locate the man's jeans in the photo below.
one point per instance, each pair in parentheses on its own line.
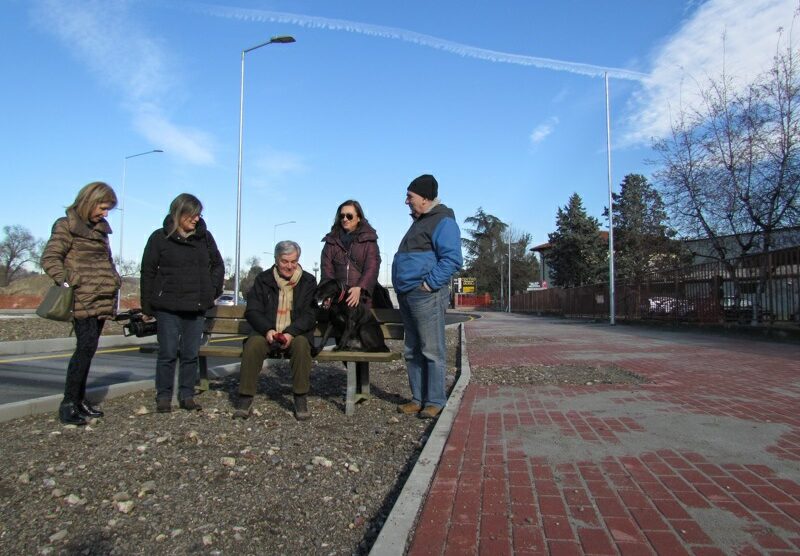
(425,351)
(177,331)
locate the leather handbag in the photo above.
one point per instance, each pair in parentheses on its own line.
(57,303)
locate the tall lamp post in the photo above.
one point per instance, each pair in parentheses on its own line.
(281,40)
(122,210)
(275,230)
(611,304)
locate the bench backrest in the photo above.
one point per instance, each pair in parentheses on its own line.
(229,319)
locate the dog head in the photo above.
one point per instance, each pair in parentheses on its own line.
(329,293)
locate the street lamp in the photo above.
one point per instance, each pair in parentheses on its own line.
(275,230)
(122,210)
(611,289)
(280,40)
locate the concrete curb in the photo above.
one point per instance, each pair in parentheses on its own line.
(396,532)
(49,404)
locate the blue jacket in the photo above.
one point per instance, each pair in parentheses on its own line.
(430,252)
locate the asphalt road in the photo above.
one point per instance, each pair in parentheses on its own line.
(24,377)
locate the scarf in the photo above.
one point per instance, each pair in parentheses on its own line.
(285,297)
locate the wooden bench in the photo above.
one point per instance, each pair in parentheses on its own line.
(228,322)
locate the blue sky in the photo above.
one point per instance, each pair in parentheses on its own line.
(502,101)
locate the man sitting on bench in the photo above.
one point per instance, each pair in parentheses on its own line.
(282,313)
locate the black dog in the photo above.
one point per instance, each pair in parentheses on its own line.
(354,328)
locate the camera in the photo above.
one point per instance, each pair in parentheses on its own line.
(136,325)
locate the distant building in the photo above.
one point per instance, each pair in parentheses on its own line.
(542,250)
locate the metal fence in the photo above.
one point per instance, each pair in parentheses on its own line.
(755,288)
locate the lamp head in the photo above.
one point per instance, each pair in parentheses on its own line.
(282,39)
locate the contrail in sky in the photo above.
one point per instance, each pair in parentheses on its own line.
(247,14)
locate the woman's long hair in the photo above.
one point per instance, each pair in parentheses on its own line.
(349,203)
(91,195)
(184,204)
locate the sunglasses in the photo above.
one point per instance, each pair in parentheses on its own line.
(347,215)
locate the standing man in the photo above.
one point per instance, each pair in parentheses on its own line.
(282,312)
(429,254)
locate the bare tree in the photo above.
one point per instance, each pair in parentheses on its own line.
(127,267)
(18,248)
(730,170)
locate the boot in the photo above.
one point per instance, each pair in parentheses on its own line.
(301,407)
(243,408)
(88,410)
(69,414)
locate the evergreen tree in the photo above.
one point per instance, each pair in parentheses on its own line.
(487,255)
(643,241)
(578,255)
(484,250)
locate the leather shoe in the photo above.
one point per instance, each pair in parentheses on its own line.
(409,408)
(301,407)
(164,405)
(243,408)
(88,410)
(190,405)
(430,412)
(69,414)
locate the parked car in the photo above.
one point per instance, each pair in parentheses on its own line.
(225,299)
(664,305)
(741,310)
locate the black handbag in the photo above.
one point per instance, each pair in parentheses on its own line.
(57,303)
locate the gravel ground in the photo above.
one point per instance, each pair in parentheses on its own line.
(555,375)
(137,482)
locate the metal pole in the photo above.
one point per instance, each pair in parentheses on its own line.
(281,39)
(239,191)
(122,211)
(509,270)
(611,306)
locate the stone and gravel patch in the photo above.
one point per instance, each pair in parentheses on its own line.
(138,482)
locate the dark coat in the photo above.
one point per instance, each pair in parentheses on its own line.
(80,255)
(181,273)
(357,266)
(262,305)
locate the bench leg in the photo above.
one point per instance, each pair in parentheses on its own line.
(362,376)
(350,400)
(202,376)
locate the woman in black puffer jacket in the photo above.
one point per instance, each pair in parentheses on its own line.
(182,273)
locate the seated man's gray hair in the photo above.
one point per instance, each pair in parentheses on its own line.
(285,247)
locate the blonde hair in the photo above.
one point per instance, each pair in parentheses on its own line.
(184,204)
(91,195)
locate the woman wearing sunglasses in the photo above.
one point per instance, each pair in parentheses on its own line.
(351,253)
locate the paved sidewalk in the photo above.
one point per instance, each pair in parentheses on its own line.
(703,459)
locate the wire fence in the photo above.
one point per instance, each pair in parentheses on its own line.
(755,288)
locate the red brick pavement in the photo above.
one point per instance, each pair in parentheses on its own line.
(620,469)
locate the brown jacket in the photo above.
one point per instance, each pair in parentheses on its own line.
(81,256)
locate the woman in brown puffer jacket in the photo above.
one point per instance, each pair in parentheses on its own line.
(78,253)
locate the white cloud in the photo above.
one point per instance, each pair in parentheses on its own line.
(543,130)
(190,144)
(738,36)
(270,170)
(106,38)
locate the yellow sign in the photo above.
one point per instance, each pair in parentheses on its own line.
(468,285)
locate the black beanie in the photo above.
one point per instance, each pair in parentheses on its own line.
(425,186)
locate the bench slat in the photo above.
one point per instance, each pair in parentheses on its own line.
(391,331)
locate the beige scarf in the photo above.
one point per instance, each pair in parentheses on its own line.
(286,297)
